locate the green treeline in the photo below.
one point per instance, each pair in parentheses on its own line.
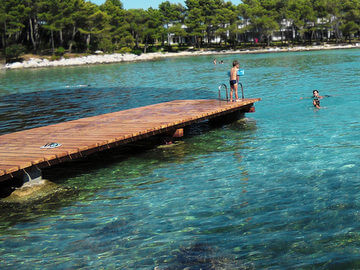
(80,26)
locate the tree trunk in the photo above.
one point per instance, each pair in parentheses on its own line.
(337,32)
(32,34)
(61,37)
(312,36)
(168,34)
(88,39)
(3,40)
(52,42)
(4,37)
(72,39)
(322,35)
(137,40)
(146,44)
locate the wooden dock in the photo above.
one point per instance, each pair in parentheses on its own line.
(21,151)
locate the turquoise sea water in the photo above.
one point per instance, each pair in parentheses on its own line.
(278,190)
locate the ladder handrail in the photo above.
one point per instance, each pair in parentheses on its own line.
(226,89)
(242,90)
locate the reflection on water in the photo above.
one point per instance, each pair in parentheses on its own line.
(277,190)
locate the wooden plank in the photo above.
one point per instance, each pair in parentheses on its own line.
(7,168)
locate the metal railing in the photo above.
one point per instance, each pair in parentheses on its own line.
(223,85)
(242,91)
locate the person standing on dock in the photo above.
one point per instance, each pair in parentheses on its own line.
(234,79)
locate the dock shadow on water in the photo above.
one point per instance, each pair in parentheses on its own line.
(119,168)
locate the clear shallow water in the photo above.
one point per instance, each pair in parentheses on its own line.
(279,190)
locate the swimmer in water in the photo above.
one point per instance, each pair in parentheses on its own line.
(316,99)
(316,94)
(316,103)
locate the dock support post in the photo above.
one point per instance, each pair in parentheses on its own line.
(179,133)
(169,136)
(226,119)
(31,174)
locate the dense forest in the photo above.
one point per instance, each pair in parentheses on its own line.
(56,26)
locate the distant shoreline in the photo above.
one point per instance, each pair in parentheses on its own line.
(118,58)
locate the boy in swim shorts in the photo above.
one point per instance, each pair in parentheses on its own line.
(234,80)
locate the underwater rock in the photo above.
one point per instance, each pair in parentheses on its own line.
(203,256)
(33,191)
(170,145)
(244,124)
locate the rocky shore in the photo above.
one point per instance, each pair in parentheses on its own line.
(117,58)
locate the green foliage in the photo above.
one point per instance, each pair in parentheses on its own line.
(125,50)
(13,52)
(171,12)
(174,48)
(153,26)
(137,52)
(153,49)
(55,57)
(106,45)
(349,29)
(127,41)
(60,51)
(178,30)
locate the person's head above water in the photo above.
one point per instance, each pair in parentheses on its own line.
(235,63)
(315,93)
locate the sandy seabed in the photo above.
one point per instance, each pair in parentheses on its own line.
(117,57)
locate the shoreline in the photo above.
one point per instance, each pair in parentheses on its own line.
(118,58)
